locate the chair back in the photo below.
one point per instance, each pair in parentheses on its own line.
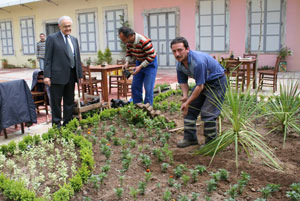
(250,55)
(231,65)
(276,69)
(120,61)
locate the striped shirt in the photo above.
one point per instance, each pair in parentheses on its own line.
(41,48)
(142,49)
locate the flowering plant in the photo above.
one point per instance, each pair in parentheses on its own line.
(285,51)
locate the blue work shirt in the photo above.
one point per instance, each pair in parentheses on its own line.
(201,66)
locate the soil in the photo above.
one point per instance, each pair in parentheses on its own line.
(260,174)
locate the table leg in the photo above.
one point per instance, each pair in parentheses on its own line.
(104,86)
(248,75)
(254,77)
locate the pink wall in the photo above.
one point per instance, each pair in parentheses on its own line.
(293,34)
(187,16)
(237,26)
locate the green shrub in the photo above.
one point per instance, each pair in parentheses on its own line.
(76,182)
(22,146)
(64,193)
(12,147)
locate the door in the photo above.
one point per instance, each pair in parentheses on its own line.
(162,30)
(51,28)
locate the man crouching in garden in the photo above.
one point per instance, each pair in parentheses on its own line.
(206,97)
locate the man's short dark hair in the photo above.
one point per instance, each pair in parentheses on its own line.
(126,31)
(180,40)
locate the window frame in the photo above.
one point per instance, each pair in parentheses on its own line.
(117,41)
(5,40)
(282,25)
(27,36)
(212,26)
(86,13)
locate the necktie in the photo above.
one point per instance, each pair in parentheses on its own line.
(70,53)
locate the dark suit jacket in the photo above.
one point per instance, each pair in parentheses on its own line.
(57,61)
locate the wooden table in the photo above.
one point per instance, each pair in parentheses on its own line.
(247,62)
(104,73)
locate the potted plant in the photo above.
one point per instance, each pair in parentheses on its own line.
(284,53)
(101,58)
(107,56)
(4,63)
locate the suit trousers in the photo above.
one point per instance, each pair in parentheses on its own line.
(63,92)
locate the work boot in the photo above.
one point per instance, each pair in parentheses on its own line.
(185,143)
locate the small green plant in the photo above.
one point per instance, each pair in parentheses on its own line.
(179,170)
(101,58)
(294,194)
(195,196)
(270,188)
(148,175)
(107,56)
(164,167)
(167,195)
(133,192)
(200,169)
(233,191)
(211,185)
(185,179)
(183,197)
(194,175)
(119,192)
(142,187)
(171,181)
(224,174)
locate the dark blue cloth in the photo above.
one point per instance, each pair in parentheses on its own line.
(16,104)
(202,67)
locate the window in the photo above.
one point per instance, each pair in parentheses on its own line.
(212,26)
(87,32)
(6,38)
(113,23)
(271,25)
(27,36)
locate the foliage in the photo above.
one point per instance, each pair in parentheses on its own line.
(294,194)
(100,57)
(285,51)
(14,190)
(284,109)
(64,193)
(240,109)
(270,188)
(107,56)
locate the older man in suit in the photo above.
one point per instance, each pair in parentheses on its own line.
(62,70)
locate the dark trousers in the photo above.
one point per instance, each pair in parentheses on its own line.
(209,103)
(65,92)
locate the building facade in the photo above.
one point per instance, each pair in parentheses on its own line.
(218,27)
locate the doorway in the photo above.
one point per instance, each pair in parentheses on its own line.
(51,28)
(162,30)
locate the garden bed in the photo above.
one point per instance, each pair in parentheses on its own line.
(136,158)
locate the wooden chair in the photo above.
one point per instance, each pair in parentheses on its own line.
(249,55)
(90,85)
(233,70)
(39,94)
(269,75)
(124,86)
(115,76)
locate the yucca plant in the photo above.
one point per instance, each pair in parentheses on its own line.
(284,109)
(241,109)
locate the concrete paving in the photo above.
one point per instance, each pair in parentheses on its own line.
(164,75)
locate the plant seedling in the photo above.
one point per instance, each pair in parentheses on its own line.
(167,195)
